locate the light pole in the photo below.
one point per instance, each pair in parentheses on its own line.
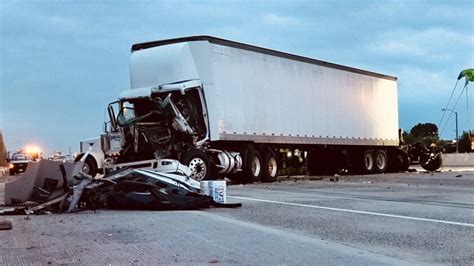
(457,135)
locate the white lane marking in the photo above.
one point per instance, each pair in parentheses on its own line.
(355,211)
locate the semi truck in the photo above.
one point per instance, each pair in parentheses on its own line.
(225,108)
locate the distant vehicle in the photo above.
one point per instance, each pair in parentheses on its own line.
(58,156)
(18,162)
(228,108)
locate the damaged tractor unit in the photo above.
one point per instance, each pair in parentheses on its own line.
(225,108)
(163,122)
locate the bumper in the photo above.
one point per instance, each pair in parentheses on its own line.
(18,168)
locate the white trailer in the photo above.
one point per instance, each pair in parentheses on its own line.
(224,107)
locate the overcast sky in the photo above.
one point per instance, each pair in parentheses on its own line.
(61,62)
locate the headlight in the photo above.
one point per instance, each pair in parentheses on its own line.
(11,166)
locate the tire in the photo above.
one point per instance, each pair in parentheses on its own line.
(90,167)
(380,161)
(431,162)
(269,166)
(199,164)
(252,168)
(367,162)
(399,161)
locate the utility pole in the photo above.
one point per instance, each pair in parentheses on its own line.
(457,135)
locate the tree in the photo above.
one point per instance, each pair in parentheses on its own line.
(465,142)
(424,130)
(408,138)
(425,133)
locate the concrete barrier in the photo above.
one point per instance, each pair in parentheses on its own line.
(458,159)
(23,188)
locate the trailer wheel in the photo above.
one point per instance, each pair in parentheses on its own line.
(252,169)
(198,162)
(270,166)
(381,161)
(90,166)
(399,161)
(368,162)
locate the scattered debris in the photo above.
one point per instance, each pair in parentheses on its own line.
(6,224)
(335,178)
(125,189)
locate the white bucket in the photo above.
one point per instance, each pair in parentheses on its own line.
(216,189)
(205,188)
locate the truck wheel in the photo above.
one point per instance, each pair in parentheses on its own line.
(381,161)
(368,162)
(89,167)
(198,162)
(270,166)
(252,169)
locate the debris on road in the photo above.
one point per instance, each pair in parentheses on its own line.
(170,187)
(6,224)
(335,178)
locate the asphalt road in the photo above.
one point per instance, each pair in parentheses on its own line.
(410,218)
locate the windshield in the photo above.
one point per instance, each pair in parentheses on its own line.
(19,156)
(142,110)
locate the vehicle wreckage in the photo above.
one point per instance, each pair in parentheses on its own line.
(50,186)
(229,109)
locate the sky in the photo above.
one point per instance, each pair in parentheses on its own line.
(62,62)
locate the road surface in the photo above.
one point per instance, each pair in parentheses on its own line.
(408,218)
